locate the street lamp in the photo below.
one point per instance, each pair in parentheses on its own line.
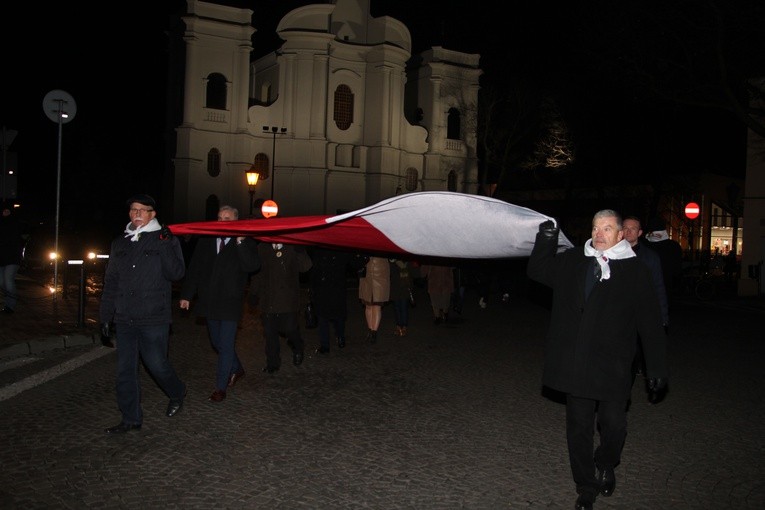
(274,130)
(252,179)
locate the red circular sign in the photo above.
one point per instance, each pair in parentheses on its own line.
(269,209)
(692,210)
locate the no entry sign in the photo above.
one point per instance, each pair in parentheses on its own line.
(692,210)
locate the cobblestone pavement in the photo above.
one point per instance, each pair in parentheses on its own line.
(451,416)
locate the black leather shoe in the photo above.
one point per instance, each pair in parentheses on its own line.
(297,358)
(174,406)
(123,427)
(322,350)
(607,481)
(584,502)
(269,369)
(340,342)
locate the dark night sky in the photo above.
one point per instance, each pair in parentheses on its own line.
(115,143)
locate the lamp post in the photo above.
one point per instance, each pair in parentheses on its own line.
(274,131)
(252,179)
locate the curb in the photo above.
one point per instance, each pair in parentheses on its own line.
(47,344)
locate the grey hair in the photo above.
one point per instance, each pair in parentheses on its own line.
(233,210)
(608,213)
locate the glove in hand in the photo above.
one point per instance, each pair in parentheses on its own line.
(657,388)
(165,234)
(548,229)
(546,225)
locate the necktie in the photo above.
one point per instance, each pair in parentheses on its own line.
(221,244)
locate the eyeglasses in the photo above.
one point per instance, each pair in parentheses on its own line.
(134,210)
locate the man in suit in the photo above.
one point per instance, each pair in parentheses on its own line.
(603,297)
(218,274)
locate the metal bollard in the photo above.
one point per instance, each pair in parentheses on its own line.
(80,293)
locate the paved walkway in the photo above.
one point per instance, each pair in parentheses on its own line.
(451,416)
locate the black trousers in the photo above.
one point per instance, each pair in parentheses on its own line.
(273,325)
(581,415)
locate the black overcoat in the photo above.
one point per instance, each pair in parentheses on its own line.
(219,280)
(329,281)
(277,284)
(591,342)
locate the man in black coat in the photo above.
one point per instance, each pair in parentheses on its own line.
(276,288)
(218,274)
(602,299)
(633,229)
(329,291)
(137,297)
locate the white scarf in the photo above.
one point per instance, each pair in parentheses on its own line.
(657,235)
(621,250)
(135,233)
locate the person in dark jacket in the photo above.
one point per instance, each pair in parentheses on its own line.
(276,288)
(218,274)
(603,297)
(632,231)
(401,293)
(11,248)
(670,253)
(328,281)
(137,298)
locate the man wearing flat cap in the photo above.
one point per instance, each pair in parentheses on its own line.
(143,264)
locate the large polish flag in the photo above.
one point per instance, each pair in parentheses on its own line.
(429,224)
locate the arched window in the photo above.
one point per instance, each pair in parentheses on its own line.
(213,162)
(216,92)
(451,181)
(343,113)
(453,125)
(412,178)
(261,165)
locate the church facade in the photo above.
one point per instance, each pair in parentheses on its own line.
(339,117)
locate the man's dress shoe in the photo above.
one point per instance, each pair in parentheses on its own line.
(297,358)
(584,502)
(235,378)
(607,480)
(123,428)
(269,369)
(174,406)
(322,350)
(217,396)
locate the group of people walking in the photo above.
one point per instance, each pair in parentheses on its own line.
(608,300)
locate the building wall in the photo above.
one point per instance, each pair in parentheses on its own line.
(754,207)
(319,168)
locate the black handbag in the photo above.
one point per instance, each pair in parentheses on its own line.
(311,319)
